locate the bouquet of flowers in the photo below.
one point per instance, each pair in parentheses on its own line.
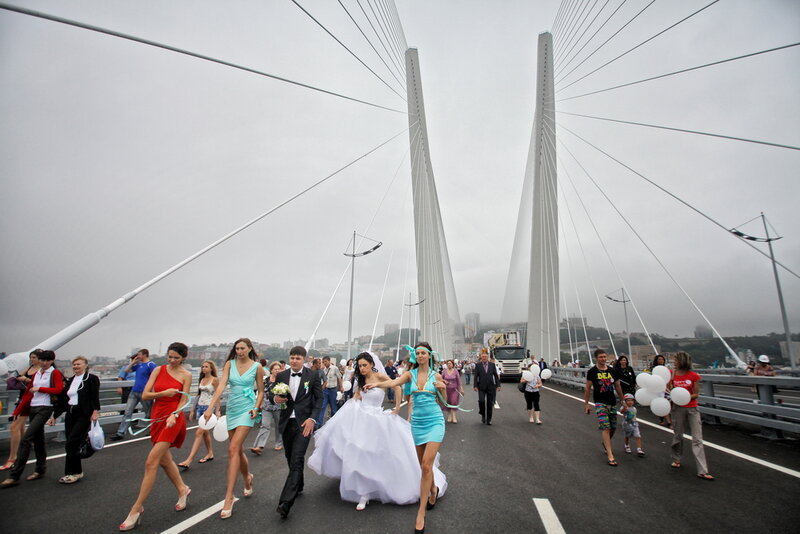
(282,390)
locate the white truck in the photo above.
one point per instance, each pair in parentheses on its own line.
(511,357)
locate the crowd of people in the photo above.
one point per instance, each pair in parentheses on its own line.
(291,401)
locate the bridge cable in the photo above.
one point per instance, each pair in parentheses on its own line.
(552,150)
(661,264)
(577,295)
(388,68)
(577,29)
(567,30)
(380,302)
(676,197)
(548,223)
(392,56)
(389,26)
(640,44)
(682,130)
(392,89)
(163,46)
(399,26)
(383,31)
(559,17)
(560,79)
(563,66)
(681,71)
(586,29)
(602,242)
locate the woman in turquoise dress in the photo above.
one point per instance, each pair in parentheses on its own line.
(243,374)
(427,421)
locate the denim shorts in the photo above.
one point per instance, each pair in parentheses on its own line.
(199,410)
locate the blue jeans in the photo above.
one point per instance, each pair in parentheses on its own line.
(134,399)
(328,398)
(467,377)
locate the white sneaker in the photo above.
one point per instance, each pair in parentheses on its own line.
(362,503)
(628,449)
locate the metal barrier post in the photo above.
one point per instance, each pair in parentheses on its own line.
(707,389)
(766,396)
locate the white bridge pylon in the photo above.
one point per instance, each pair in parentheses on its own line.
(439,316)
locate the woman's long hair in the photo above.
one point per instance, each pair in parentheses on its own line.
(362,380)
(203,375)
(252,355)
(655,361)
(618,364)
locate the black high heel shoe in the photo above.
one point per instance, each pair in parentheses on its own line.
(420,530)
(429,506)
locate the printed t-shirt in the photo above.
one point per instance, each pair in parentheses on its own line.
(603,385)
(687,382)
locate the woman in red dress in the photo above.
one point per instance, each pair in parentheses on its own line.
(165,386)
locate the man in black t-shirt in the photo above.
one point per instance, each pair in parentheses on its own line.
(603,379)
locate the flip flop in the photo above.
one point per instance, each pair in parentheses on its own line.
(6,466)
(204,460)
(706,476)
(183,467)
(613,463)
(675,465)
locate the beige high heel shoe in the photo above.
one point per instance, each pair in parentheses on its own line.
(248,492)
(225,514)
(181,504)
(132,521)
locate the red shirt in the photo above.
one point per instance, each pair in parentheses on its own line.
(687,382)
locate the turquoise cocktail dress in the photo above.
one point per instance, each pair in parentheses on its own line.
(241,398)
(427,421)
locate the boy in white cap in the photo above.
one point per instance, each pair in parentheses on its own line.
(630,426)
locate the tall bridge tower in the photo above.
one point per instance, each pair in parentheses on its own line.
(439,315)
(543,294)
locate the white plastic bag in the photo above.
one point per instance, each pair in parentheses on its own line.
(220,431)
(96,436)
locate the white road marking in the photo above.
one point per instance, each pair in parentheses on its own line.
(549,518)
(753,459)
(196,518)
(106,446)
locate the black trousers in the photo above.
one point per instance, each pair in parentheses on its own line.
(33,437)
(532,399)
(76,427)
(295,447)
(486,403)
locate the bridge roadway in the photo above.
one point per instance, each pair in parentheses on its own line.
(494,473)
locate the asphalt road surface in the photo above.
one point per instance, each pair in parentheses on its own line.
(502,478)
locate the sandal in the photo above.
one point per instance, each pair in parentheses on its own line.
(6,466)
(706,476)
(257,451)
(183,467)
(613,463)
(35,476)
(204,460)
(675,465)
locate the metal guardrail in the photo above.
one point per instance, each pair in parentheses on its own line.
(773,417)
(109,410)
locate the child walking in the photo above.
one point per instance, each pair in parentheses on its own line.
(630,426)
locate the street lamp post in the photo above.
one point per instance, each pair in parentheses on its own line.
(353,257)
(624,302)
(768,240)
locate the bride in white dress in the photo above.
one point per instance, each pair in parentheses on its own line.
(368,448)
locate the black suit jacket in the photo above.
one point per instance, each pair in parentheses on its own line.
(88,396)
(308,401)
(486,381)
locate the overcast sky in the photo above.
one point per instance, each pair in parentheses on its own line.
(118,160)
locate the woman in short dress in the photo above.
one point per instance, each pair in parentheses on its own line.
(454,389)
(206,386)
(168,386)
(244,374)
(427,421)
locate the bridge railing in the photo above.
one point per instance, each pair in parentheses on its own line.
(758,408)
(111,406)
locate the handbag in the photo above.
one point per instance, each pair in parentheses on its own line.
(85,449)
(96,436)
(521,386)
(13,383)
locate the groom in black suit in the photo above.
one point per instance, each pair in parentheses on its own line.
(297,422)
(486,383)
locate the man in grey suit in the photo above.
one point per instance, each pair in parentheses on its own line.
(486,383)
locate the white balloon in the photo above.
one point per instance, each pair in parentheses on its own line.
(221,429)
(656,384)
(346,385)
(660,406)
(528,376)
(663,372)
(207,425)
(535,369)
(546,374)
(645,396)
(342,362)
(641,378)
(680,396)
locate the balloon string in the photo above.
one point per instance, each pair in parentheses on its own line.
(151,421)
